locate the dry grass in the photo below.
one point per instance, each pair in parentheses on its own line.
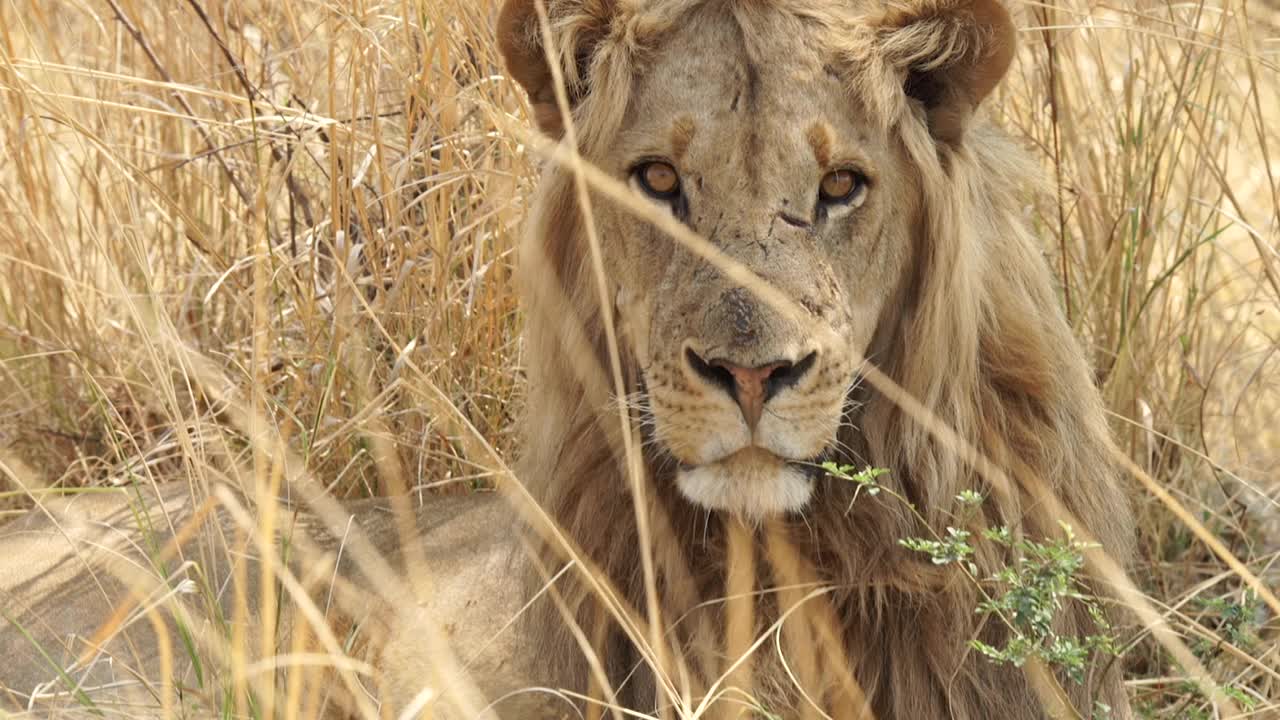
(347,156)
(319,199)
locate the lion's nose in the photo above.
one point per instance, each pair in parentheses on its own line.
(751,387)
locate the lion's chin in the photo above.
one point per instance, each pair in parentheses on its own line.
(752,483)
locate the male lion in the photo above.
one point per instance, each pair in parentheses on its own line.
(833,149)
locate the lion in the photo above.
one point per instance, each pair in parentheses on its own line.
(103,606)
(837,151)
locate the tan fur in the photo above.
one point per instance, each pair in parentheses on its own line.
(69,566)
(935,279)
(819,137)
(682,132)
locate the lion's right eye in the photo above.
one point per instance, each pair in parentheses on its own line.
(659,179)
(843,186)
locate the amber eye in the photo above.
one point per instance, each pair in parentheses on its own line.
(841,185)
(659,179)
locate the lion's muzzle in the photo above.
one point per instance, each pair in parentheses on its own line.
(744,429)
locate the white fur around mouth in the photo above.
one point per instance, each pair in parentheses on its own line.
(752,483)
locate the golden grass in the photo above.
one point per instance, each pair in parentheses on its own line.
(356,165)
(320,200)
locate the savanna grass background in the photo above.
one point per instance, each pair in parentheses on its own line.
(321,200)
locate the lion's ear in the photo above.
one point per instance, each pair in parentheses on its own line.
(520,40)
(952,54)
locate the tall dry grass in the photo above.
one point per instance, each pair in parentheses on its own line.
(318,199)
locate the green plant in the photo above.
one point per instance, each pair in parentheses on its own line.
(1027,594)
(1238,622)
(1031,591)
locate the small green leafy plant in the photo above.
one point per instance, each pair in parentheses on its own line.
(865,479)
(1026,595)
(1031,591)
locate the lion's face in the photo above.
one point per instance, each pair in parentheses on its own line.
(773,162)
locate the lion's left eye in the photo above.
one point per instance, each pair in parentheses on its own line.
(659,179)
(842,186)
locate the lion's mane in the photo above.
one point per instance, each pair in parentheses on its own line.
(977,337)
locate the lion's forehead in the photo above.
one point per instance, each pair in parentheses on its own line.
(742,96)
